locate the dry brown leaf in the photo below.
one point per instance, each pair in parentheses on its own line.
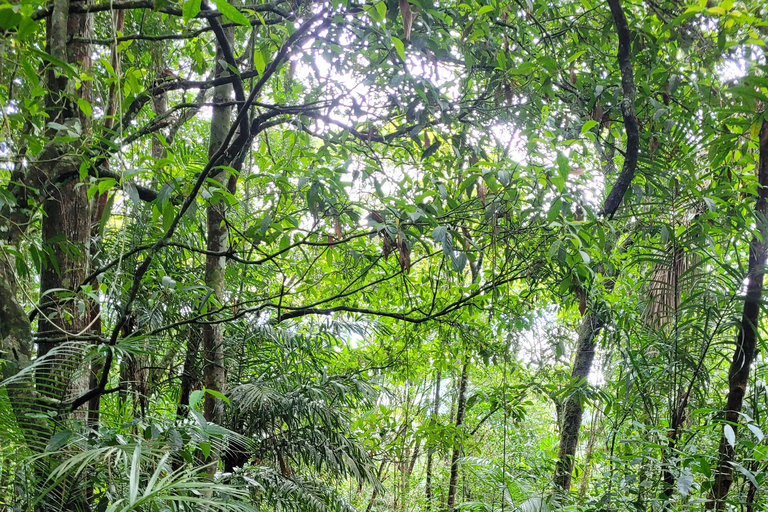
(405,10)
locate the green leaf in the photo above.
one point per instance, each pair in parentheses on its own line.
(399,46)
(747,473)
(169,213)
(58,440)
(135,475)
(258,62)
(205,447)
(190,9)
(756,431)
(194,397)
(232,13)
(84,106)
(217,394)
(439,234)
(684,484)
(431,150)
(554,210)
(588,126)
(458,261)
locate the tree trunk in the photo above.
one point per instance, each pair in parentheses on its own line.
(190,374)
(430,449)
(746,342)
(66,226)
(457,445)
(572,408)
(214,376)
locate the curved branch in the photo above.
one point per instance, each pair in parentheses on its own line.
(631,126)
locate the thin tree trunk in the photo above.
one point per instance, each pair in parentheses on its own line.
(461,403)
(593,323)
(746,342)
(94,317)
(190,374)
(375,492)
(572,408)
(584,485)
(430,450)
(214,376)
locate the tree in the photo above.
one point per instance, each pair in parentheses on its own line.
(245,246)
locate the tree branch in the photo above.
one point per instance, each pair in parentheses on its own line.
(631,126)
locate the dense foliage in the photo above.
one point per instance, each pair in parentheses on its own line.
(392,255)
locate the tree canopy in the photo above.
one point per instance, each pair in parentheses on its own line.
(383,256)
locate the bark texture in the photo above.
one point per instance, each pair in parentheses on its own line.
(66,226)
(631,125)
(746,341)
(214,376)
(572,406)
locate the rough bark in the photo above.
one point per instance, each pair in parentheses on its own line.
(461,403)
(16,351)
(217,241)
(430,450)
(572,406)
(746,341)
(66,225)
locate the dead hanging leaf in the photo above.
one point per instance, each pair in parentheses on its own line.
(481,191)
(498,96)
(426,140)
(408,16)
(653,146)
(508,93)
(386,248)
(337,227)
(291,70)
(597,112)
(467,31)
(582,301)
(467,237)
(666,96)
(404,254)
(376,217)
(573,76)
(606,121)
(578,213)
